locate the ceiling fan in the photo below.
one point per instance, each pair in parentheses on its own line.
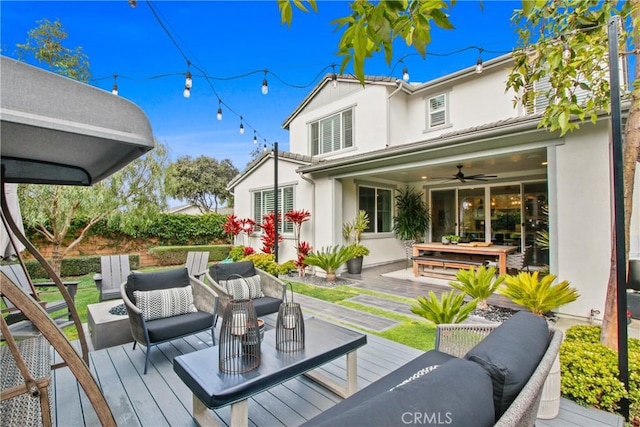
(464,178)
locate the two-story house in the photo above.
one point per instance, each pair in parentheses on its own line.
(353,146)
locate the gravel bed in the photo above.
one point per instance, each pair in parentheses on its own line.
(118,310)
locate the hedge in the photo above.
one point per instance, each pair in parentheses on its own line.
(590,370)
(169,229)
(75,266)
(175,255)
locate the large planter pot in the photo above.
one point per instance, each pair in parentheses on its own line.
(633,304)
(354,265)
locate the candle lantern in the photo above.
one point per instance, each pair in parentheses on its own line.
(239,344)
(290,326)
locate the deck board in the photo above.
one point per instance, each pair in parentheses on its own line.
(161,398)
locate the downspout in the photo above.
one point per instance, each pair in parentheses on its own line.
(313,209)
(399,83)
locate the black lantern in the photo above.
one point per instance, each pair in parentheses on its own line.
(239,346)
(290,326)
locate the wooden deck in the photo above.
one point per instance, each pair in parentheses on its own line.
(160,398)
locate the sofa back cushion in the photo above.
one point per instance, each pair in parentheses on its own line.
(510,354)
(222,271)
(457,393)
(174,278)
(162,303)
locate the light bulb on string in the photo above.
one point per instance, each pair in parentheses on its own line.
(114,88)
(265,85)
(187,92)
(334,76)
(566,51)
(479,66)
(219,115)
(255,138)
(188,81)
(405,74)
(241,126)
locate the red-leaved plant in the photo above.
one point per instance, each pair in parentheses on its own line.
(269,233)
(302,248)
(232,227)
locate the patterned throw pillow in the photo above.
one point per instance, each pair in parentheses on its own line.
(244,287)
(163,303)
(420,373)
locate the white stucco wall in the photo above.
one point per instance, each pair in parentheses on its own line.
(369,121)
(262,179)
(583,218)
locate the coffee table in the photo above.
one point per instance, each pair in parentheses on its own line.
(214,389)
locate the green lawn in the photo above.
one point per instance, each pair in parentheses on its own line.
(411,332)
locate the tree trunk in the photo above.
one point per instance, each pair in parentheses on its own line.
(56,258)
(609,335)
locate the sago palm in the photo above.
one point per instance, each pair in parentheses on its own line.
(538,296)
(450,308)
(329,259)
(479,284)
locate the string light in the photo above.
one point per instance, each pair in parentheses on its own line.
(114,88)
(405,71)
(188,81)
(265,85)
(219,115)
(187,92)
(255,138)
(566,50)
(241,126)
(479,66)
(133,3)
(334,77)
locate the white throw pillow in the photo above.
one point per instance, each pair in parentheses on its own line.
(163,303)
(244,287)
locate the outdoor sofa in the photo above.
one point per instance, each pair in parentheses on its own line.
(468,380)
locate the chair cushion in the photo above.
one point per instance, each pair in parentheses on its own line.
(243,287)
(173,327)
(266,305)
(454,394)
(430,358)
(175,278)
(509,359)
(222,271)
(165,302)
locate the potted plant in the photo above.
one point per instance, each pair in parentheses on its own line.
(453,239)
(352,233)
(412,217)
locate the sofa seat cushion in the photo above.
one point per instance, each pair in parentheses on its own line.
(266,305)
(386,383)
(508,358)
(457,393)
(174,278)
(174,327)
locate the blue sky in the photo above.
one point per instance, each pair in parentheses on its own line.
(232,38)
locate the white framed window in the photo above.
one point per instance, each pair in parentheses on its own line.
(378,204)
(332,133)
(437,111)
(263,203)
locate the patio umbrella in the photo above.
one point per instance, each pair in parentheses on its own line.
(7,249)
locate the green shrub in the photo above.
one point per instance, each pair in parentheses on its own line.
(176,255)
(450,308)
(237,253)
(590,370)
(267,263)
(479,284)
(537,295)
(79,266)
(329,259)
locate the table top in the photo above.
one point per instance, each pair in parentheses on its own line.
(324,343)
(465,248)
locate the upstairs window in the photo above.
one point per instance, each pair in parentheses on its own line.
(263,204)
(332,133)
(437,111)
